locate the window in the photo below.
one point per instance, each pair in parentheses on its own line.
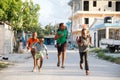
(86,5)
(86,20)
(94,3)
(108,20)
(117,5)
(114,33)
(109,4)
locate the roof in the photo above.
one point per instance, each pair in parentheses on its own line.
(104,25)
(49,36)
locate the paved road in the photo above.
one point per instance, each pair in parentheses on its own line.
(99,69)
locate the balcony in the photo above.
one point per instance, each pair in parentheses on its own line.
(96,13)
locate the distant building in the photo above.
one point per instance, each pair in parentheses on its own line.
(86,12)
(49,40)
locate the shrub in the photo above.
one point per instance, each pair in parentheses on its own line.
(117,60)
(97,50)
(101,54)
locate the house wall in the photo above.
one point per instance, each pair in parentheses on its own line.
(6,39)
(101,5)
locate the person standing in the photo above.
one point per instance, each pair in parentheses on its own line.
(83,44)
(20,48)
(61,39)
(29,46)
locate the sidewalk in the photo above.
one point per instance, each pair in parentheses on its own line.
(16,57)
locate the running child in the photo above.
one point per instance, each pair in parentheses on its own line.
(40,50)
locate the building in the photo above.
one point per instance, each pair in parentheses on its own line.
(86,12)
(49,40)
(6,39)
(106,31)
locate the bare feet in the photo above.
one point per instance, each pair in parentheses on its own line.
(81,66)
(63,67)
(87,72)
(34,70)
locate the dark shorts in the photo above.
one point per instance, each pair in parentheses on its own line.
(61,47)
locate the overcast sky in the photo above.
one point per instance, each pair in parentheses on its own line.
(53,11)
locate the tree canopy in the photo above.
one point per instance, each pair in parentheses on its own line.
(20,15)
(50,29)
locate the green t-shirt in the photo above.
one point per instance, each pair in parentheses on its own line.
(63,38)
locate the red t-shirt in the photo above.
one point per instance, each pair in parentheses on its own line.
(31,41)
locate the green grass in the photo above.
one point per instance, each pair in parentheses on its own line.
(97,50)
(101,54)
(3,65)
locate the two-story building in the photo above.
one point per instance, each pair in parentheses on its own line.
(87,11)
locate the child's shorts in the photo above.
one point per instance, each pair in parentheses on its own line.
(39,55)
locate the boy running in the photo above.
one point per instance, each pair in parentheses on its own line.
(40,49)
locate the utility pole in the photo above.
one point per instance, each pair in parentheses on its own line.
(72,22)
(72,19)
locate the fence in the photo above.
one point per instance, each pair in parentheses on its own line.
(6,40)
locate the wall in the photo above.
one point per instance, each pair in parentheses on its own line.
(6,40)
(103,5)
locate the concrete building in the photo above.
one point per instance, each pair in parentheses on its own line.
(6,38)
(87,11)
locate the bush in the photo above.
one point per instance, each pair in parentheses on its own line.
(117,60)
(108,58)
(97,50)
(101,54)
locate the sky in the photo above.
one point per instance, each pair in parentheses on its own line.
(53,11)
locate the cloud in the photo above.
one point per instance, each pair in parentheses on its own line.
(53,11)
(61,9)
